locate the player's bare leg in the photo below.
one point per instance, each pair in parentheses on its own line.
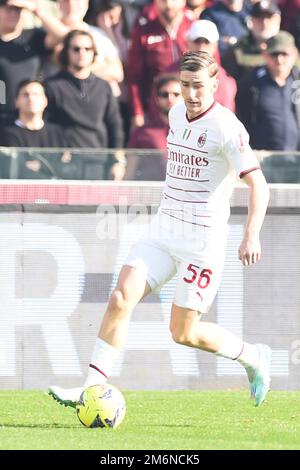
(131,288)
(187,329)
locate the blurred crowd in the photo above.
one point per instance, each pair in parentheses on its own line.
(104,74)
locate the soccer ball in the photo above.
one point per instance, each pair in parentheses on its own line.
(101,406)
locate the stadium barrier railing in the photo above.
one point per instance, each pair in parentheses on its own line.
(142,164)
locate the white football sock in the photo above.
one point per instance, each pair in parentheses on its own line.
(102,361)
(236,349)
(249,356)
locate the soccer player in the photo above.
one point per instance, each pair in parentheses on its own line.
(207,148)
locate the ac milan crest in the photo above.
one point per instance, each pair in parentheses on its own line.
(202,139)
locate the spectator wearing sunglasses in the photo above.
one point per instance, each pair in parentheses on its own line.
(268,97)
(153,134)
(83,103)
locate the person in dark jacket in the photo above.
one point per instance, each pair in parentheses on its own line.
(23,52)
(268,98)
(32,131)
(83,103)
(246,54)
(230,18)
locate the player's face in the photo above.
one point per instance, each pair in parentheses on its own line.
(197,90)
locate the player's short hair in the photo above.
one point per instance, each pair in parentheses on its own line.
(195,61)
(26,82)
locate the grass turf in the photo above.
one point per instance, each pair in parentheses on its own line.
(190,420)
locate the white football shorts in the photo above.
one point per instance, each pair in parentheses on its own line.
(197,258)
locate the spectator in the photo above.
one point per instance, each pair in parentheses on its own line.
(196,7)
(289,9)
(268,97)
(30,130)
(83,103)
(156,44)
(22,52)
(230,19)
(295,29)
(110,17)
(154,133)
(247,53)
(203,36)
(108,65)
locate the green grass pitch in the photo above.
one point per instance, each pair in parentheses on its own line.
(187,420)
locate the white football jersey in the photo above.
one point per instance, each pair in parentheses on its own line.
(205,155)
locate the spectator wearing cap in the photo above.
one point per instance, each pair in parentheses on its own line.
(230,18)
(203,36)
(23,51)
(268,97)
(247,53)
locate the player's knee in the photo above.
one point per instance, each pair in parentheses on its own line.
(119,301)
(181,336)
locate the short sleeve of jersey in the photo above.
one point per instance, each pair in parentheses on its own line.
(237,149)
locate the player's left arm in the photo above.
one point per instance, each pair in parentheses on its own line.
(250,249)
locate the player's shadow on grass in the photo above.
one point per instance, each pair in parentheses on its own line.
(40,426)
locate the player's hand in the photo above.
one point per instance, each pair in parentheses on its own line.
(249,251)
